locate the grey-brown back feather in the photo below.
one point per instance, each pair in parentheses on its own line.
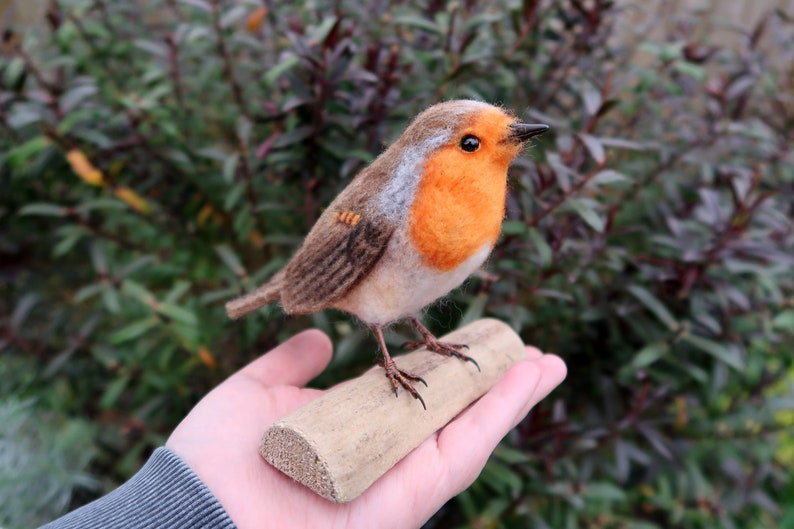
(264,294)
(331,262)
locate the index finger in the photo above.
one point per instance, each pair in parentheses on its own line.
(466,443)
(294,362)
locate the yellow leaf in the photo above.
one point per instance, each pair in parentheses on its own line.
(206,357)
(646,490)
(204,214)
(133,199)
(255,19)
(84,169)
(256,239)
(681,416)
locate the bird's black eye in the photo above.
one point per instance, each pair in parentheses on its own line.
(469,143)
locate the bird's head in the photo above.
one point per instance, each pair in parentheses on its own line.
(458,150)
(471,133)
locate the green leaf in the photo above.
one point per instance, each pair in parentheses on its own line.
(585,210)
(650,354)
(229,170)
(723,352)
(419,22)
(514,227)
(200,4)
(24,114)
(133,330)
(636,524)
(101,204)
(188,334)
(22,309)
(594,147)
(545,252)
(76,96)
(233,15)
(509,455)
(19,156)
(603,491)
(110,298)
(592,98)
(113,392)
(70,236)
(136,264)
(653,304)
(13,72)
(292,137)
(177,313)
(243,224)
(137,291)
(177,291)
(156,48)
(320,32)
(230,259)
(44,209)
(275,72)
(691,69)
(98,258)
(87,292)
(784,321)
(500,476)
(244,127)
(233,196)
(562,172)
(666,51)
(607,177)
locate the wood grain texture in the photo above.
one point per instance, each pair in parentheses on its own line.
(339,444)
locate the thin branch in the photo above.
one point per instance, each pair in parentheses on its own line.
(176,72)
(84,221)
(13,134)
(533,222)
(248,179)
(30,66)
(226,60)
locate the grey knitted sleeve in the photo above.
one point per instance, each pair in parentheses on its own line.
(165,493)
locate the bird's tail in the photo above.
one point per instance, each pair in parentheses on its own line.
(264,294)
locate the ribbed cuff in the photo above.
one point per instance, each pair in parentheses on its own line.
(165,493)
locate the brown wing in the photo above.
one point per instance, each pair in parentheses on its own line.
(336,255)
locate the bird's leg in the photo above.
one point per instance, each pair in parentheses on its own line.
(434,344)
(397,375)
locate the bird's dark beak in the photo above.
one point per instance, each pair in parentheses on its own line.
(521,132)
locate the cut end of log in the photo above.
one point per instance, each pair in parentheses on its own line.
(290,452)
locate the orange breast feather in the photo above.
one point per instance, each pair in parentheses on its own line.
(459,206)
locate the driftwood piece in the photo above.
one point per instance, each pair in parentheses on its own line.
(340,443)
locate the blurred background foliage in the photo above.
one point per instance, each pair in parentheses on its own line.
(160,157)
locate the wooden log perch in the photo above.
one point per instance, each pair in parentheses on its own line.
(339,444)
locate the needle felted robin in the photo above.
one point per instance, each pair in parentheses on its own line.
(408,229)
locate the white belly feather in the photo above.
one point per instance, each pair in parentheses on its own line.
(400,284)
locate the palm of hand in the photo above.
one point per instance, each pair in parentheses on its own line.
(219,441)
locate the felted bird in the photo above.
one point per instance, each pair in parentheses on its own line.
(408,228)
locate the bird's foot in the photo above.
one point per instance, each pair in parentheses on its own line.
(434,344)
(443,348)
(402,378)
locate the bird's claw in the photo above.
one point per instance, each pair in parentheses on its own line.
(443,348)
(398,377)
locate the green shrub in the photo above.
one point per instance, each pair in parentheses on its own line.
(158,159)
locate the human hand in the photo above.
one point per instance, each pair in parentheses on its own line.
(220,436)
